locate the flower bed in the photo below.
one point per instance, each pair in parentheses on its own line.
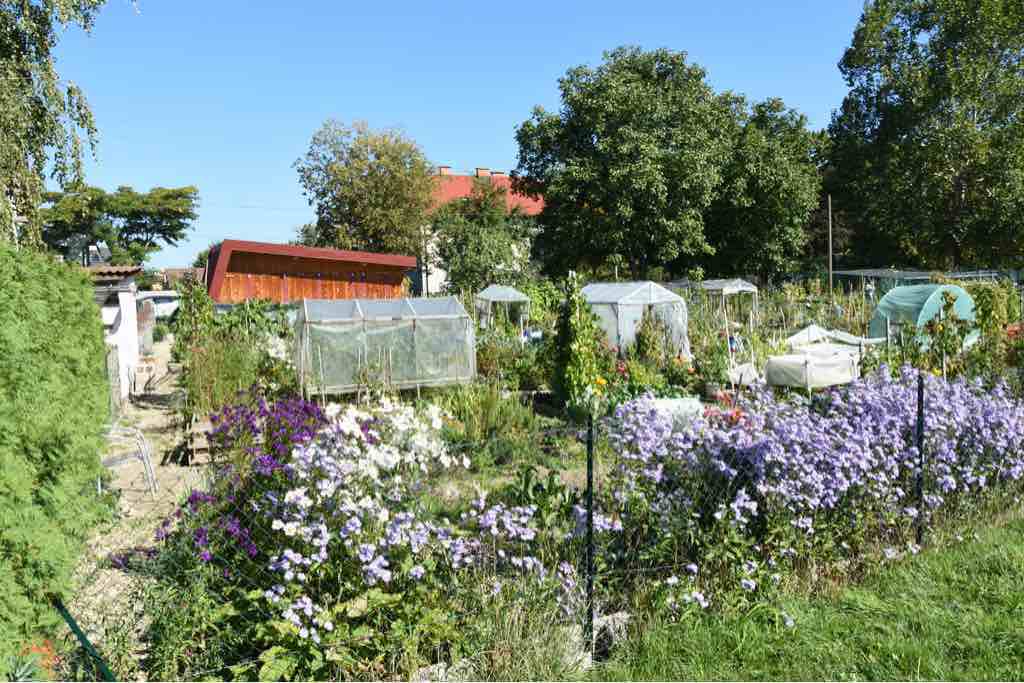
(325,546)
(771,483)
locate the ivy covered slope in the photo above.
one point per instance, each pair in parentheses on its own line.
(53,406)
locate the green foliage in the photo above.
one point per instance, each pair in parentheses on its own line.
(240,350)
(646,169)
(479,241)
(51,347)
(43,118)
(160,331)
(371,190)
(629,164)
(495,427)
(653,340)
(133,225)
(927,159)
(770,184)
(545,301)
(580,353)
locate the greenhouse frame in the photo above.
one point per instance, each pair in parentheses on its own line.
(341,344)
(620,307)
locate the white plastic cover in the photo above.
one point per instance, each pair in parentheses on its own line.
(620,307)
(814,334)
(745,375)
(810,370)
(680,410)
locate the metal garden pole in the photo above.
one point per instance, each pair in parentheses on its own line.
(589,625)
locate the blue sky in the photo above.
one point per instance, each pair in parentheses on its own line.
(225,95)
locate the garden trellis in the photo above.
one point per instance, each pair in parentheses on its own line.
(620,307)
(406,343)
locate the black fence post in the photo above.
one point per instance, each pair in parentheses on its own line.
(588,627)
(920,457)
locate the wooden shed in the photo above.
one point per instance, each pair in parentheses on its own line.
(240,270)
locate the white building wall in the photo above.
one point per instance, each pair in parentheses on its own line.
(123,333)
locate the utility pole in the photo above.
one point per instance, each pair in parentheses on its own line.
(831,295)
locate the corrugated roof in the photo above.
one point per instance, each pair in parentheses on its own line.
(113,271)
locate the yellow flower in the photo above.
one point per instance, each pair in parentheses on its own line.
(601,381)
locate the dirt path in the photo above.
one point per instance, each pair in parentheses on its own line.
(107,603)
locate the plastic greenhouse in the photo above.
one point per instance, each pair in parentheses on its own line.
(620,307)
(917,305)
(502,296)
(404,342)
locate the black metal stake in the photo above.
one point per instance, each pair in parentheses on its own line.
(920,457)
(589,625)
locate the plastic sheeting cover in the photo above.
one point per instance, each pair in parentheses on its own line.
(502,294)
(730,286)
(917,305)
(814,334)
(411,342)
(620,306)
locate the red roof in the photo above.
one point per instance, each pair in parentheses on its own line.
(220,256)
(450,187)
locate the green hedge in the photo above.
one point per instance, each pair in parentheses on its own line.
(53,408)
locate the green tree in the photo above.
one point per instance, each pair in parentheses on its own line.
(928,147)
(204,254)
(628,165)
(371,190)
(42,118)
(133,225)
(478,241)
(758,220)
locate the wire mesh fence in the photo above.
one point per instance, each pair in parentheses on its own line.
(201,523)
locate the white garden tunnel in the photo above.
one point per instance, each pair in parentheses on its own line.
(620,306)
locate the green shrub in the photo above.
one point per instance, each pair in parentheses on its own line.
(228,353)
(653,340)
(501,427)
(581,353)
(54,404)
(160,331)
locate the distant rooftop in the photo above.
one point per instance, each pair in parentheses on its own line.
(453,186)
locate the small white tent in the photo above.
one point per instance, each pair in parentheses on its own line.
(620,307)
(504,295)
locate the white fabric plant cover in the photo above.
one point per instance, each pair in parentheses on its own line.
(814,367)
(744,374)
(620,306)
(680,410)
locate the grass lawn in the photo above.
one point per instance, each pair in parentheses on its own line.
(955,613)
